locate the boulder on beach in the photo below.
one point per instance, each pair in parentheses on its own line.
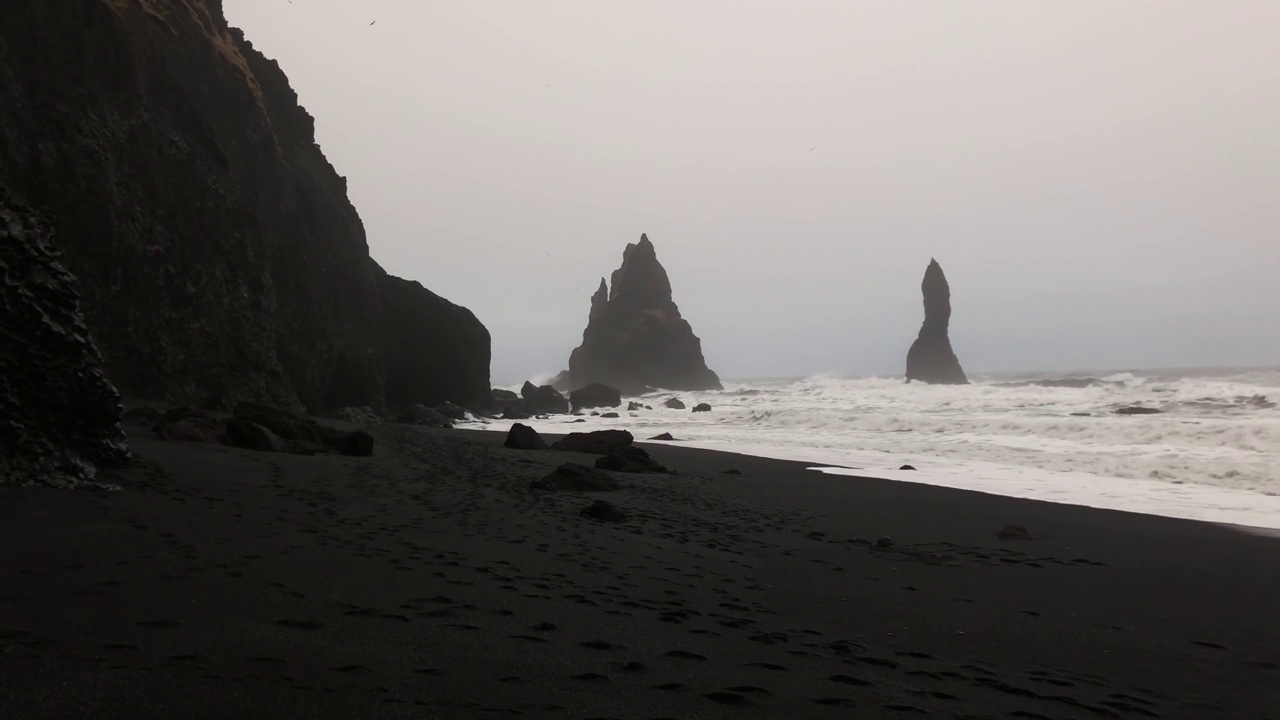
(664,436)
(422,415)
(574,477)
(635,338)
(603,512)
(543,399)
(357,444)
(599,442)
(250,435)
(59,415)
(674,404)
(523,437)
(451,411)
(634,406)
(595,395)
(630,459)
(359,415)
(500,395)
(702,407)
(931,358)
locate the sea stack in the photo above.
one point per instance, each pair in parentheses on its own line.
(931,358)
(635,338)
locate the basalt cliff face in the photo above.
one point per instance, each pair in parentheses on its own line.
(59,415)
(218,256)
(635,337)
(931,358)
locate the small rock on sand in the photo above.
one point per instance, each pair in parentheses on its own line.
(599,442)
(577,478)
(663,436)
(603,512)
(523,437)
(1138,410)
(702,407)
(629,459)
(733,471)
(1013,532)
(906,467)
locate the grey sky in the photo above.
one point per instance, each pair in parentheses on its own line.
(1100,180)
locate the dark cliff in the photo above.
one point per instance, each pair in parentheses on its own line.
(218,255)
(931,358)
(636,339)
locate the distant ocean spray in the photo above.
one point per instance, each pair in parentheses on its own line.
(1212,453)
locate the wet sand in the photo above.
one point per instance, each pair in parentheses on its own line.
(430,582)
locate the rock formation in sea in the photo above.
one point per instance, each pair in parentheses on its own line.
(59,415)
(219,257)
(931,358)
(635,337)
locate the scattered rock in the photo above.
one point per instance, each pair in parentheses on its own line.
(194,428)
(595,395)
(1081,414)
(1013,532)
(421,415)
(59,414)
(609,415)
(603,512)
(500,395)
(251,436)
(517,414)
(674,404)
(635,337)
(287,424)
(664,436)
(544,399)
(364,415)
(574,477)
(599,442)
(732,471)
(630,459)
(702,407)
(906,467)
(634,406)
(523,437)
(931,358)
(884,542)
(1138,410)
(145,416)
(451,411)
(357,444)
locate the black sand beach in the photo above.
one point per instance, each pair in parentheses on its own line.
(430,582)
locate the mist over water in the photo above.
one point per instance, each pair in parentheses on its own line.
(1212,453)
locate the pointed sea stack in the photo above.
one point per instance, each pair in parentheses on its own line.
(930,358)
(635,338)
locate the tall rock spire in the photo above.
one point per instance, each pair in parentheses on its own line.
(931,358)
(635,338)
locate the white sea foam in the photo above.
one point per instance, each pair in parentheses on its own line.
(1212,454)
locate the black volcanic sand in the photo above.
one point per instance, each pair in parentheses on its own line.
(430,582)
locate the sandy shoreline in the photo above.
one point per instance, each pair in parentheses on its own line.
(429,581)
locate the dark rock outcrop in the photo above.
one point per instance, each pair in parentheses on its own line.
(702,407)
(600,442)
(543,399)
(595,395)
(59,415)
(421,415)
(674,404)
(931,358)
(523,437)
(1137,410)
(635,338)
(359,415)
(664,437)
(630,459)
(218,255)
(577,478)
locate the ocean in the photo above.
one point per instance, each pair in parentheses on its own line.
(1212,453)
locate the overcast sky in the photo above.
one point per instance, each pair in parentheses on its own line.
(1100,180)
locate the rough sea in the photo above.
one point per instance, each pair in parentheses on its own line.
(1212,453)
